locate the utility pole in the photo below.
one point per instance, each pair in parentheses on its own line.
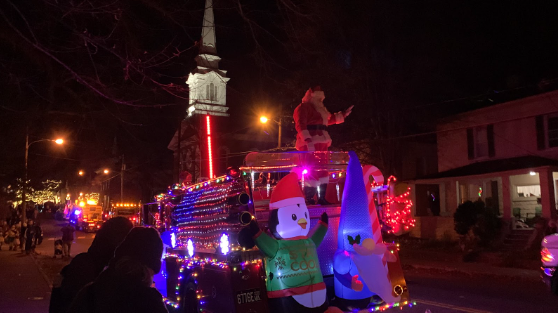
(23,209)
(279,141)
(122,180)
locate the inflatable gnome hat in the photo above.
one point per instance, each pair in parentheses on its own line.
(355,224)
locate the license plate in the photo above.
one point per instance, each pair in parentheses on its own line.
(248,296)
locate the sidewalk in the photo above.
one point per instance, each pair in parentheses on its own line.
(23,287)
(451,263)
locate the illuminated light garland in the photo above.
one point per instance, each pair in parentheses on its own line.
(397,219)
(384,307)
(190,263)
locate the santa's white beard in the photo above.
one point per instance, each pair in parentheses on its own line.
(320,107)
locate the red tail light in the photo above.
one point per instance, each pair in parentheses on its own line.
(546,255)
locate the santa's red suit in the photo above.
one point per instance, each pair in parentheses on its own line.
(311,121)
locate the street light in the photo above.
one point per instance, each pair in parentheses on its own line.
(264,120)
(28,144)
(80,173)
(106,171)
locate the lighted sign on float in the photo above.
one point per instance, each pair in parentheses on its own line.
(224,244)
(190,247)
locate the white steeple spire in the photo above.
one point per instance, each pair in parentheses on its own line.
(208,30)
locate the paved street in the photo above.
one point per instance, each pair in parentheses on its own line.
(441,293)
(51,232)
(24,288)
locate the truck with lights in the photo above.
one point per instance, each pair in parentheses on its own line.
(86,217)
(130,211)
(205,268)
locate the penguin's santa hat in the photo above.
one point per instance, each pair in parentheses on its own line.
(287,192)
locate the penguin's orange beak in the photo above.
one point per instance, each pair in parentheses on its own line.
(302,222)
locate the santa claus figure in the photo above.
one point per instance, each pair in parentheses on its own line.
(311,121)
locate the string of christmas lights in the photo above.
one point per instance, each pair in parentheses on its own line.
(397,210)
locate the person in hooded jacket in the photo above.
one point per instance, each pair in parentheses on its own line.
(85,267)
(125,285)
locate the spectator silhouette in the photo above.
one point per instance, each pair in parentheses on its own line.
(85,267)
(125,285)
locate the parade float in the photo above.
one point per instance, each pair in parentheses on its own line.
(207,270)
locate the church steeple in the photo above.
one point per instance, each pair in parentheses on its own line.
(207,83)
(207,44)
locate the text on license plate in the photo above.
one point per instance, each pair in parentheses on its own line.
(248,296)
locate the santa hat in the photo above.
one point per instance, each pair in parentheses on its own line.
(287,192)
(313,92)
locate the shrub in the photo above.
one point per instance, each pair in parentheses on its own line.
(465,217)
(475,217)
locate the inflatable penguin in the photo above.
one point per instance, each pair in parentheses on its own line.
(359,272)
(294,278)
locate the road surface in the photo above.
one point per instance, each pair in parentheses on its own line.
(51,232)
(437,292)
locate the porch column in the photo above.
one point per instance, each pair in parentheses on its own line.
(548,199)
(506,197)
(451,201)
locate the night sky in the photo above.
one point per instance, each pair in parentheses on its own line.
(110,76)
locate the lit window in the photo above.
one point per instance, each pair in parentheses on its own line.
(528,191)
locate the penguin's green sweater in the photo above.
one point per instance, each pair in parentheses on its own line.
(291,265)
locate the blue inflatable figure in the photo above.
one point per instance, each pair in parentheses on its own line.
(359,271)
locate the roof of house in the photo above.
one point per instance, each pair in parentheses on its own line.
(495,166)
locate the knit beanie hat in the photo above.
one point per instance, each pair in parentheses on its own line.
(108,237)
(144,245)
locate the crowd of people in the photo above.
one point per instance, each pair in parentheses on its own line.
(114,275)
(16,235)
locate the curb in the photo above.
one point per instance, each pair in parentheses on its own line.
(534,277)
(45,276)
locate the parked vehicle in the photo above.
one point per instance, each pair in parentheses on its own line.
(549,259)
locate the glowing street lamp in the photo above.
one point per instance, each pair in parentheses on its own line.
(264,120)
(80,173)
(28,144)
(106,171)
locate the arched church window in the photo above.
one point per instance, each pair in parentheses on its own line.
(212,92)
(206,91)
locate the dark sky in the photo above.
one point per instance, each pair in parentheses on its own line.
(114,71)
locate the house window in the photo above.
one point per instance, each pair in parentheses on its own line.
(480,142)
(528,191)
(552,130)
(547,131)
